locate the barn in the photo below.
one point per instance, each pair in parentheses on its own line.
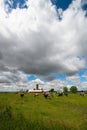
(37,90)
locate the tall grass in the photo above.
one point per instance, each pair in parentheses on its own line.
(37,113)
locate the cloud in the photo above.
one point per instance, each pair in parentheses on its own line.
(13,77)
(76,80)
(56,84)
(35,41)
(84,2)
(13,80)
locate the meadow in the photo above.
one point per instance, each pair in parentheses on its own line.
(37,113)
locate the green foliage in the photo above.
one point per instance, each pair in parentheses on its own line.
(73,89)
(7,114)
(52,90)
(65,90)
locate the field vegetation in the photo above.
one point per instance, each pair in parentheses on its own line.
(37,113)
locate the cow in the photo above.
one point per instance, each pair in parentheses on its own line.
(47,95)
(36,94)
(66,94)
(60,94)
(22,94)
(82,93)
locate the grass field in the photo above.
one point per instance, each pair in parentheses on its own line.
(38,113)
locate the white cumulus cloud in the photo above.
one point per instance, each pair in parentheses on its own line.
(35,41)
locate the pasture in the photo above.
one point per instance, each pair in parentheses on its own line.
(37,113)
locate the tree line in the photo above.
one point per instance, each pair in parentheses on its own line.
(73,89)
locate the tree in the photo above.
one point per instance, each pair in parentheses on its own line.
(73,89)
(52,90)
(65,90)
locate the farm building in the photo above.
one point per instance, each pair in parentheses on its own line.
(37,90)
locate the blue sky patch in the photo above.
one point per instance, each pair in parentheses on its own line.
(61,77)
(13,4)
(31,77)
(21,3)
(64,4)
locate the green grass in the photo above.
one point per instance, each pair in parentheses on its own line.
(38,113)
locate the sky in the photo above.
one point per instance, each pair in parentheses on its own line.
(43,41)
